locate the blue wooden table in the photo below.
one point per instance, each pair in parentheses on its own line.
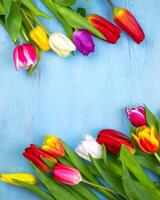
(77,95)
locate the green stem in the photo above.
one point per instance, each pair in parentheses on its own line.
(111,3)
(27,18)
(98,186)
(20,39)
(40,23)
(24,33)
(157,157)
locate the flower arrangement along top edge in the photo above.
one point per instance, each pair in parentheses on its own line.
(21,20)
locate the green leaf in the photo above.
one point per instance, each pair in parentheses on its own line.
(132,190)
(57,191)
(93,170)
(115,183)
(77,21)
(158,185)
(130,162)
(49,163)
(66,3)
(85,192)
(34,189)
(81,11)
(2,12)
(110,166)
(82,167)
(14,21)
(149,162)
(78,163)
(7,6)
(32,7)
(73,192)
(51,6)
(152,120)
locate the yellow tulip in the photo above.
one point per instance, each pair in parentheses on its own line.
(25,177)
(39,36)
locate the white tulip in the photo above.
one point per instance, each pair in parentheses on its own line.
(89,146)
(61,44)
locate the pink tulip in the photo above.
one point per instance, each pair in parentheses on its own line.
(67,175)
(137,116)
(25,56)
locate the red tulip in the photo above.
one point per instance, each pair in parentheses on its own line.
(67,175)
(35,155)
(113,140)
(109,30)
(137,116)
(127,22)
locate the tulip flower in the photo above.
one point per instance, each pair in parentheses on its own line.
(67,175)
(83,41)
(71,176)
(109,30)
(61,44)
(127,22)
(37,155)
(147,139)
(53,146)
(39,36)
(113,140)
(25,56)
(89,146)
(25,177)
(137,116)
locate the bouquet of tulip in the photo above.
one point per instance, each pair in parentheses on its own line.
(113,164)
(21,20)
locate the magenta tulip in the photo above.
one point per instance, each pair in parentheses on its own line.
(25,56)
(83,41)
(67,175)
(137,116)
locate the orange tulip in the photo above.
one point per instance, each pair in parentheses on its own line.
(53,146)
(147,139)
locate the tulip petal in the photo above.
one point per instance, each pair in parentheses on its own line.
(61,44)
(67,175)
(125,20)
(83,41)
(30,54)
(109,30)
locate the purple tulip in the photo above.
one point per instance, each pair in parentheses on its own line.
(137,116)
(83,41)
(25,56)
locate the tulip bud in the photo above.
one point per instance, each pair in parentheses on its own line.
(25,56)
(67,175)
(127,22)
(113,140)
(137,116)
(83,41)
(147,139)
(89,146)
(39,36)
(37,155)
(53,146)
(61,44)
(25,177)
(109,30)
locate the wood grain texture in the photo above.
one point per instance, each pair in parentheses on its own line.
(78,95)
